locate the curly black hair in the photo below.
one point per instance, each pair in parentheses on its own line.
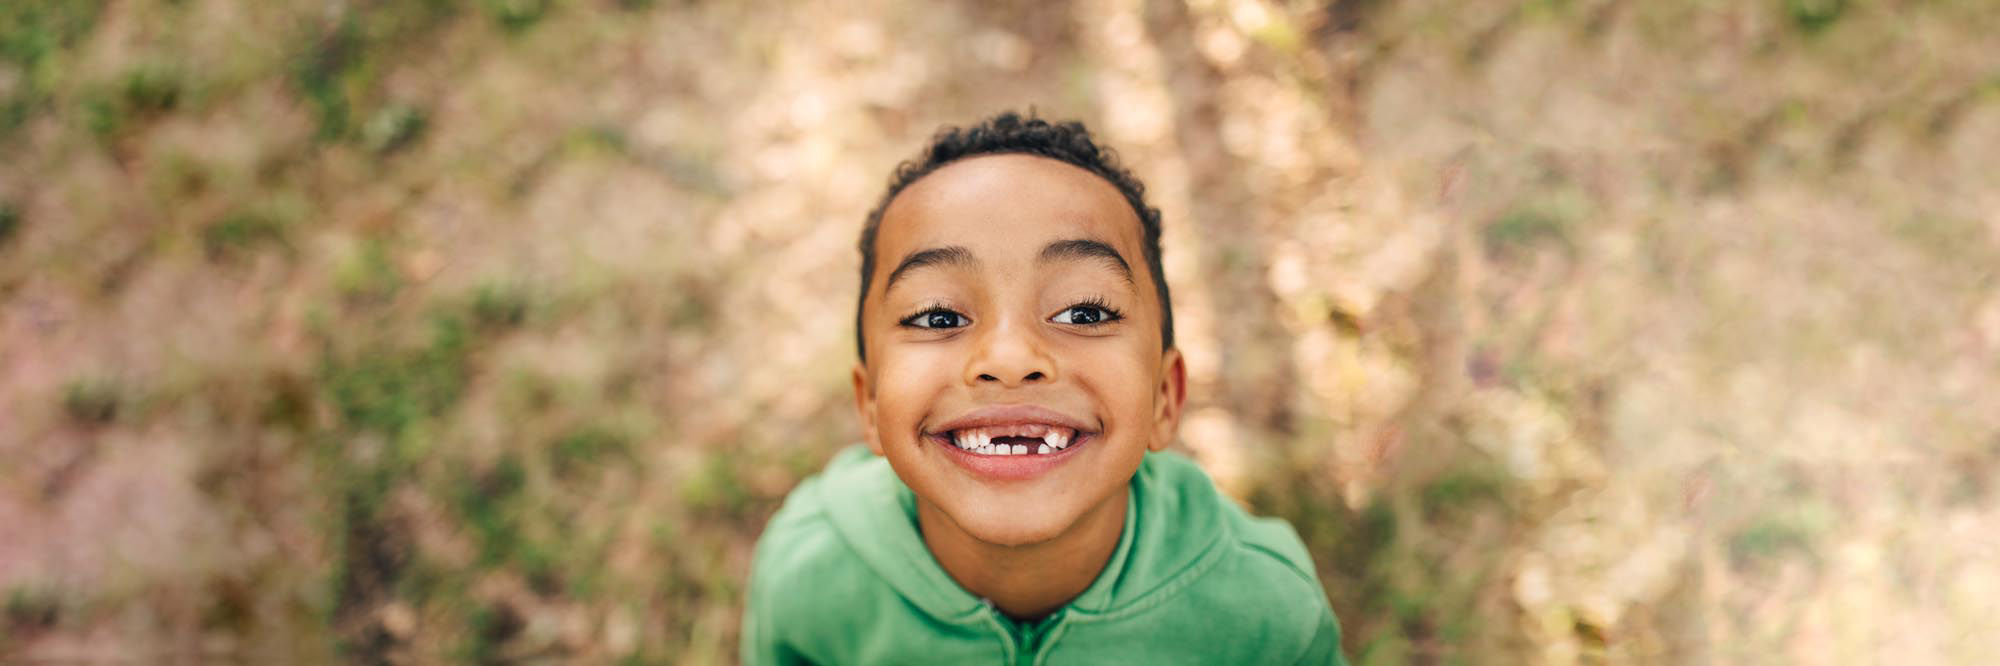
(1005,133)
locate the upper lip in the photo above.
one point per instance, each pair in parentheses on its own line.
(1006,415)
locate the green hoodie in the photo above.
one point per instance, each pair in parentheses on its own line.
(841,576)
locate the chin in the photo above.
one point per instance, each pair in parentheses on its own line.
(1010,528)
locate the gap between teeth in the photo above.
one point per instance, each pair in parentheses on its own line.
(981,442)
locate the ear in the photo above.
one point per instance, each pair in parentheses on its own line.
(864,407)
(1169,399)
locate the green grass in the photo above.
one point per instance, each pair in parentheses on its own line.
(367,276)
(489,503)
(33,36)
(515,15)
(237,234)
(398,391)
(141,94)
(30,32)
(387,396)
(1524,228)
(388,390)
(1768,538)
(499,306)
(489,626)
(322,77)
(1385,564)
(1461,491)
(1814,16)
(92,400)
(716,488)
(587,448)
(340,69)
(393,128)
(10,222)
(29,609)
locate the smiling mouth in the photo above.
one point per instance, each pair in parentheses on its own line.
(1013,440)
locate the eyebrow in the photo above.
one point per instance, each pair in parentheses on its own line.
(956,255)
(1084,248)
(938,256)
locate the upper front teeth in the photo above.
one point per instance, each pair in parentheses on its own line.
(980,440)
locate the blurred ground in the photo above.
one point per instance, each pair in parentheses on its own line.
(1566,331)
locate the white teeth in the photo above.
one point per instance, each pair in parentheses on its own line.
(980,440)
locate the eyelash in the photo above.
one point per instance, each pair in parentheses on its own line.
(1111,314)
(911,321)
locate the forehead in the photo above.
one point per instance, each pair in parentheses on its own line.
(1008,204)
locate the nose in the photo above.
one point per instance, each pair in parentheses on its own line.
(1009,355)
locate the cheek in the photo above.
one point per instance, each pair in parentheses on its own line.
(1125,383)
(904,384)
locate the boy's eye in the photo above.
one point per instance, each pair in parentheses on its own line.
(938,318)
(1085,315)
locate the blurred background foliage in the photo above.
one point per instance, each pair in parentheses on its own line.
(1565,331)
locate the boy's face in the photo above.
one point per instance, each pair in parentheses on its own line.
(1012,309)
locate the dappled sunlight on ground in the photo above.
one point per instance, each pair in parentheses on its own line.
(1565,332)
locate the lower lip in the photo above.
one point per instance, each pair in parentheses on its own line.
(1009,468)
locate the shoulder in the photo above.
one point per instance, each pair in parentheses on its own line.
(802,526)
(800,542)
(803,566)
(1270,542)
(1269,580)
(1263,576)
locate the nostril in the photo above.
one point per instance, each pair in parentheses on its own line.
(1033,376)
(988,378)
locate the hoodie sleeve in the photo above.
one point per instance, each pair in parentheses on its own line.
(768,638)
(758,646)
(761,645)
(1325,647)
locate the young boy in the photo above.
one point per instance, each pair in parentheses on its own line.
(1018,386)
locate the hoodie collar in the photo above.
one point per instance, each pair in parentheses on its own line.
(1170,536)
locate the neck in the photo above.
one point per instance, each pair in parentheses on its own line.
(1027,582)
